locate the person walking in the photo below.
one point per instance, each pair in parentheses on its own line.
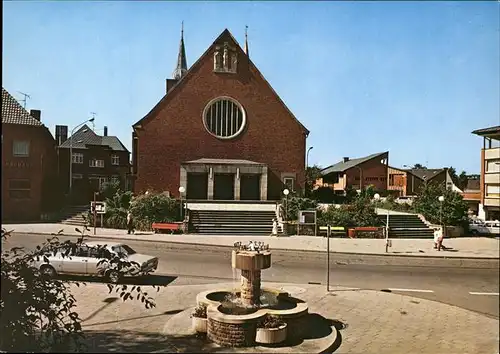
(130,223)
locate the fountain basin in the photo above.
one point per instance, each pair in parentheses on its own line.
(238,330)
(250,260)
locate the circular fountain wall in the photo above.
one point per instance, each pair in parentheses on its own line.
(234,314)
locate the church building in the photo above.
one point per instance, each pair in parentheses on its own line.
(220,131)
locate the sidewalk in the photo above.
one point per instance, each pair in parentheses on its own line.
(368,321)
(466,247)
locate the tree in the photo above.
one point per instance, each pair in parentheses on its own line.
(461,180)
(312,174)
(418,166)
(453,211)
(109,188)
(37,313)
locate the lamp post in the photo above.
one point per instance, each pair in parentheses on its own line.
(71,154)
(307,177)
(286,192)
(441,200)
(377,198)
(181,192)
(307,156)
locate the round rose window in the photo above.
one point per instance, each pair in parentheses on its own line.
(224,118)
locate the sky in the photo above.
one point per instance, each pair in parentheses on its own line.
(411,78)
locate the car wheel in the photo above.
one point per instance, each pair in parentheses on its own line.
(474,233)
(48,271)
(113,276)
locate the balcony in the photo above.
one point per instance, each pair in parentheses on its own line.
(493,153)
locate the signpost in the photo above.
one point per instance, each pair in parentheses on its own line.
(98,208)
(307,217)
(328,233)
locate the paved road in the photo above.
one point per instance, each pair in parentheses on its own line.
(472,289)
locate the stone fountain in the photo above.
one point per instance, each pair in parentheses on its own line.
(233,314)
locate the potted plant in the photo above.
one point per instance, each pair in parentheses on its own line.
(199,317)
(271,330)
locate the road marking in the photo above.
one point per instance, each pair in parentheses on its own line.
(474,293)
(412,290)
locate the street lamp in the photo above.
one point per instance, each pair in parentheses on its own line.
(307,156)
(286,192)
(181,192)
(441,200)
(71,154)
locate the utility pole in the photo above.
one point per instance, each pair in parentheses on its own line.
(26,96)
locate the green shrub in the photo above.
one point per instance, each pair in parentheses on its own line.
(116,210)
(294,204)
(360,213)
(154,207)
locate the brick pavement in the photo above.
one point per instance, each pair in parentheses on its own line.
(469,247)
(375,322)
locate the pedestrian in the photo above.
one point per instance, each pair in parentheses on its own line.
(438,238)
(130,223)
(275,227)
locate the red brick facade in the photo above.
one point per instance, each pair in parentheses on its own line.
(173,132)
(39,169)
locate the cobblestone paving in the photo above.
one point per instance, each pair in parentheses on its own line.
(374,322)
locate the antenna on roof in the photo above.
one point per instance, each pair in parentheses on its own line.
(93,120)
(26,96)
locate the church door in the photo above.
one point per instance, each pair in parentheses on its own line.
(197,186)
(250,187)
(224,186)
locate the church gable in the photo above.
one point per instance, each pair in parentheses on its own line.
(225,57)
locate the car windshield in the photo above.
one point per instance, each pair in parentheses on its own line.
(128,250)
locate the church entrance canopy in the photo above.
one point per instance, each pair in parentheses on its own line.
(224,179)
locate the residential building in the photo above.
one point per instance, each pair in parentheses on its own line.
(408,182)
(28,163)
(356,173)
(472,195)
(95,160)
(220,131)
(489,208)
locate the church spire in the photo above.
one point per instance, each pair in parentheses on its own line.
(246,41)
(181,67)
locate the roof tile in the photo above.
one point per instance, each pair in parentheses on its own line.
(14,113)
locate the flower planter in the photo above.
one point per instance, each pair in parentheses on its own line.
(271,335)
(199,324)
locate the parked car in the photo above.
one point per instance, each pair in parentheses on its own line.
(480,227)
(89,259)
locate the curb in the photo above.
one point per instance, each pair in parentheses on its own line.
(345,257)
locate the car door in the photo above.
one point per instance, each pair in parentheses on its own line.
(95,264)
(76,263)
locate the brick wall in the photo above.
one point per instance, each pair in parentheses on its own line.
(232,334)
(175,133)
(39,168)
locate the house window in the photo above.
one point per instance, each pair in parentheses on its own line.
(115,179)
(115,159)
(19,188)
(224,118)
(102,180)
(77,157)
(493,165)
(21,148)
(289,183)
(96,163)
